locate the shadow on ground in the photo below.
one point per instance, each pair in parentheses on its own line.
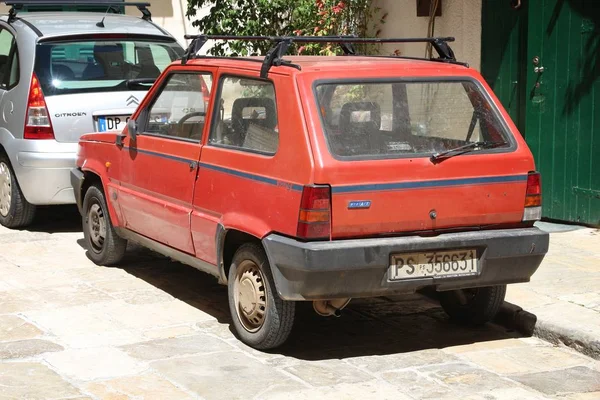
(374,326)
(56,219)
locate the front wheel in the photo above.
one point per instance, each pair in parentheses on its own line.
(105,247)
(260,317)
(474,306)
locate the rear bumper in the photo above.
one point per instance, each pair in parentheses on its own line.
(44,177)
(359,268)
(42,168)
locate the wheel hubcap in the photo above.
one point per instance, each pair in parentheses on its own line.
(5,189)
(250,296)
(96,227)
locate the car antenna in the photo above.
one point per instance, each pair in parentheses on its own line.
(101,23)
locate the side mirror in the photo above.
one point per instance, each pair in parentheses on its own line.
(132,129)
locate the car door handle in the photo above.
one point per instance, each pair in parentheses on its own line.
(193,165)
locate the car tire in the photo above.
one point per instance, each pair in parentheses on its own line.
(105,247)
(473,306)
(15,211)
(260,317)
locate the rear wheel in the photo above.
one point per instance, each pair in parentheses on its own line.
(474,306)
(260,317)
(105,247)
(15,211)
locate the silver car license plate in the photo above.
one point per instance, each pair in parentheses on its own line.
(112,122)
(433,264)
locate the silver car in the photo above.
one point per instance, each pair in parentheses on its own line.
(63,74)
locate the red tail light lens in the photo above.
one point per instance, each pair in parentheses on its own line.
(314,220)
(533,196)
(37,119)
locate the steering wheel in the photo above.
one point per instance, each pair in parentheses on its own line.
(188,116)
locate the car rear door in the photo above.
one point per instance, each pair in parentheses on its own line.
(381,137)
(159,167)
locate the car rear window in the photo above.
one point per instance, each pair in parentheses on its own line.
(408,118)
(102,65)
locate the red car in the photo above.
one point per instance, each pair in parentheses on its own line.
(320,179)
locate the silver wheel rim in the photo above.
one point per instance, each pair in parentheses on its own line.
(250,296)
(5,189)
(96,225)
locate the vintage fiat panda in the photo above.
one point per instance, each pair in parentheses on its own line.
(321,179)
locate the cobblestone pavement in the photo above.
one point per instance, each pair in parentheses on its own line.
(155,329)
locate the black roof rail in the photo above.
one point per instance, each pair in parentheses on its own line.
(282,43)
(17,5)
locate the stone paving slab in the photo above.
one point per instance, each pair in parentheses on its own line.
(148,386)
(94,363)
(13,327)
(33,381)
(173,347)
(27,348)
(231,375)
(564,381)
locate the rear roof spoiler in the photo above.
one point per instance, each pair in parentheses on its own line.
(111,5)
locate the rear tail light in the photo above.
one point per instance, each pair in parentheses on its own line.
(314,221)
(533,198)
(37,119)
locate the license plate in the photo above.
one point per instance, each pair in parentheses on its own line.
(433,264)
(112,122)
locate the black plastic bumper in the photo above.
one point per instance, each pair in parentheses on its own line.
(77,182)
(359,268)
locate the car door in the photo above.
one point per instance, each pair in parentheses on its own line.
(160,166)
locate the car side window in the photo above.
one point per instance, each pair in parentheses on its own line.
(179,110)
(247,116)
(9,60)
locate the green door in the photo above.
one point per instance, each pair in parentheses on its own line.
(504,47)
(562,119)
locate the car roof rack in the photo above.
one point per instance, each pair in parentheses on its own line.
(275,55)
(17,5)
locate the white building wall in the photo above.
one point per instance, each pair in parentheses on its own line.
(460,18)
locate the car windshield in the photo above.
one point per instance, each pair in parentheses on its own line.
(406,118)
(102,65)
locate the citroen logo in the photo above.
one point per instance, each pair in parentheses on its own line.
(132,100)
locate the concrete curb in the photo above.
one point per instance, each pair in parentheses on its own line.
(580,341)
(514,317)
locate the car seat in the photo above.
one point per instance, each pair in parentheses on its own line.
(257,132)
(358,135)
(109,63)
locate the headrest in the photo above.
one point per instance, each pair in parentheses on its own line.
(360,116)
(268,120)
